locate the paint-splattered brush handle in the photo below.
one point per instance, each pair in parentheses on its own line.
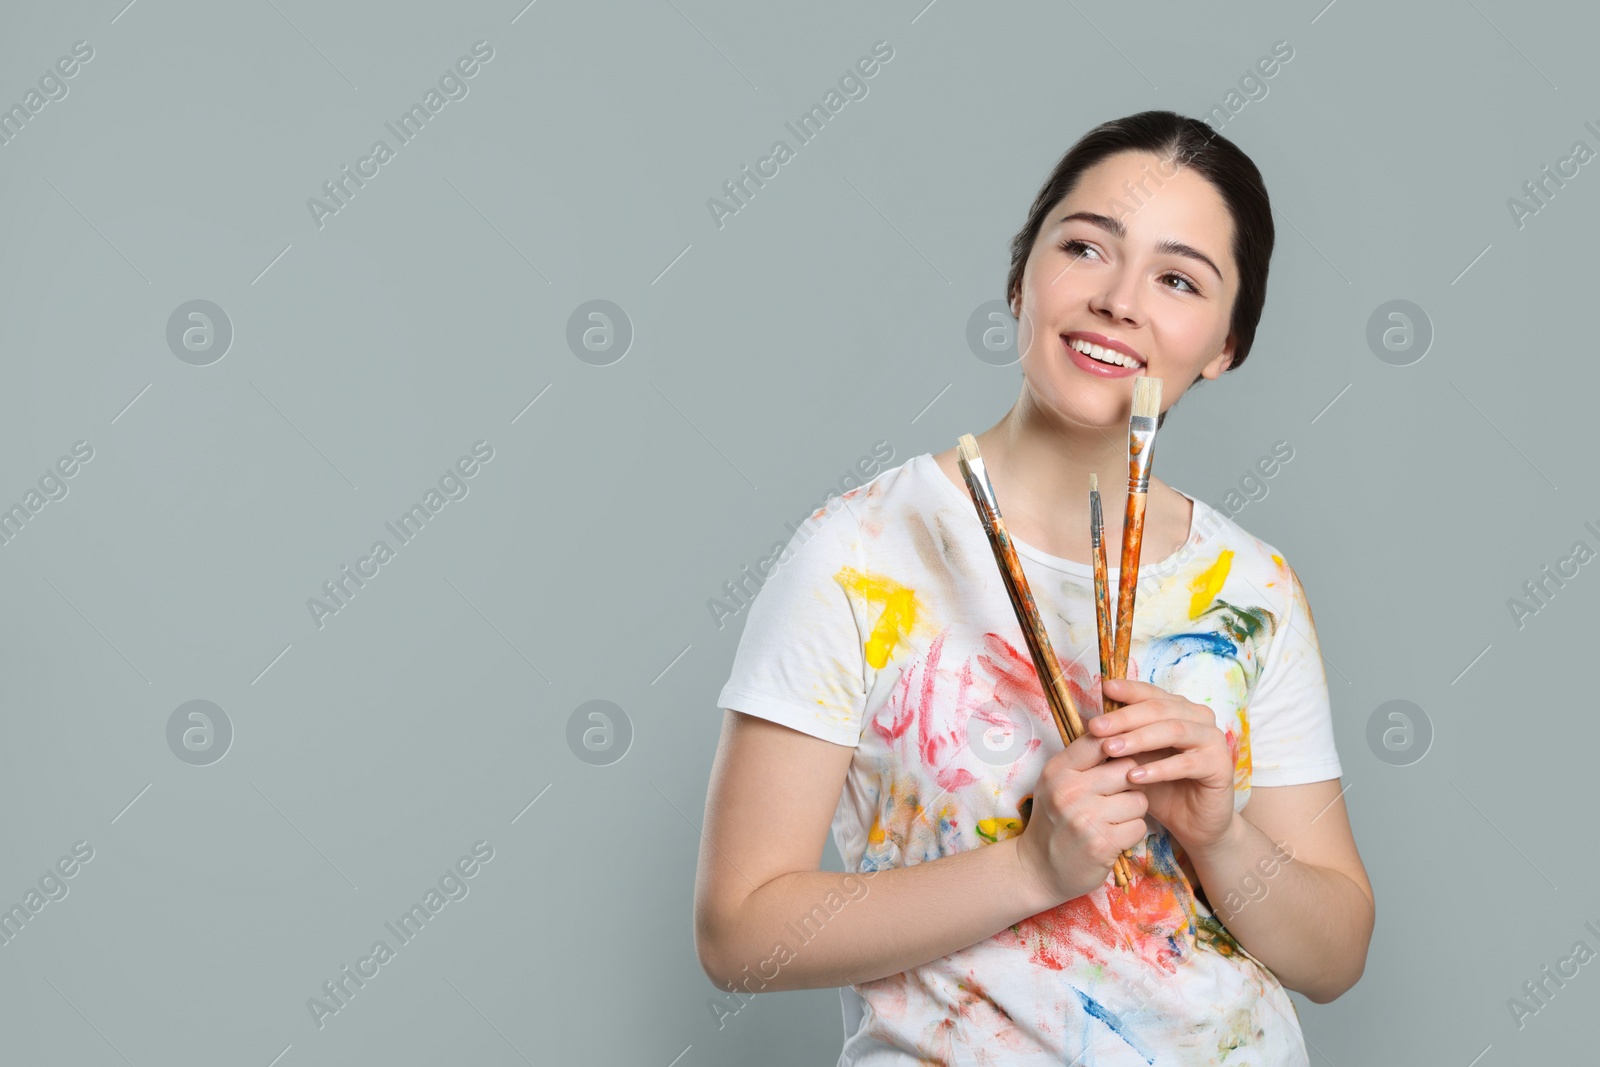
(1141,452)
(1068,722)
(1102,600)
(1127,586)
(1102,618)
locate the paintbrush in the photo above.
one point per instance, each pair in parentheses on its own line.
(1141,445)
(1102,603)
(1102,618)
(1065,711)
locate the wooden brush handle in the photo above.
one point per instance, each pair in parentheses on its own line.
(1127,582)
(1102,613)
(1068,722)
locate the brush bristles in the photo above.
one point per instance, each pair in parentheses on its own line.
(1146,397)
(1094,483)
(968,447)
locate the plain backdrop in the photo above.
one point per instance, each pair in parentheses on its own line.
(639,459)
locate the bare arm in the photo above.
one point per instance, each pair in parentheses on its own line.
(772,798)
(767,919)
(1289,885)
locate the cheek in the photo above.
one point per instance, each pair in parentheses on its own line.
(1025,329)
(1190,342)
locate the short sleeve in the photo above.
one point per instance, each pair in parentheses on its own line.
(801,661)
(1291,720)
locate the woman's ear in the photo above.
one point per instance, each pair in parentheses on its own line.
(1222,362)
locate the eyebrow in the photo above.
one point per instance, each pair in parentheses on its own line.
(1117,229)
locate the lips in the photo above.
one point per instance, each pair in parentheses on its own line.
(1093,366)
(1120,347)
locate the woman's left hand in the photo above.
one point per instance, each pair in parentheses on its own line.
(1191,791)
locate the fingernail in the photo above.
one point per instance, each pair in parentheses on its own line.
(1114,745)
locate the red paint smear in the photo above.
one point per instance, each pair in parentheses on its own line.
(942,751)
(1106,920)
(1065,932)
(899,708)
(1016,683)
(1081,684)
(929,739)
(977,1019)
(916,699)
(954,779)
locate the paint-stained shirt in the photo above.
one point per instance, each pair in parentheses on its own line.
(886,626)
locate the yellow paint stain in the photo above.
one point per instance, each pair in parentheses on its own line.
(899,610)
(993,830)
(876,835)
(1208,583)
(1241,775)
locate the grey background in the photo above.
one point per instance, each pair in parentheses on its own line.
(768,355)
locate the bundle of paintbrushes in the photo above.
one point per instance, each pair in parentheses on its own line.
(1054,683)
(1141,447)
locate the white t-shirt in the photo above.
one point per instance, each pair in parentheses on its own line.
(886,627)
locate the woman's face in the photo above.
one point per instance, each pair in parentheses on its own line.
(1163,287)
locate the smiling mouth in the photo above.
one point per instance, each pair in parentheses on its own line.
(1103,355)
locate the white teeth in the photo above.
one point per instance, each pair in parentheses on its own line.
(1104,355)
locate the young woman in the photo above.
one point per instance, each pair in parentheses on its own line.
(882,684)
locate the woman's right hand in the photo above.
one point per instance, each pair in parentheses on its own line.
(1085,813)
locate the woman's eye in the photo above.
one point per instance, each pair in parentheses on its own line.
(1077,249)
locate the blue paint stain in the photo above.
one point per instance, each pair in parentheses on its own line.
(1160,855)
(1099,1011)
(1167,652)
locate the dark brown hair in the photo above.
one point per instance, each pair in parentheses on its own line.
(1183,142)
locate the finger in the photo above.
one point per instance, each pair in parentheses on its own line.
(1111,777)
(1174,768)
(1121,807)
(1142,712)
(1135,713)
(1083,753)
(1127,690)
(1127,834)
(1168,733)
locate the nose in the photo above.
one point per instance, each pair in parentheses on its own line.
(1118,298)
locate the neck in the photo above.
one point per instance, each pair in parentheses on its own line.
(1041,466)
